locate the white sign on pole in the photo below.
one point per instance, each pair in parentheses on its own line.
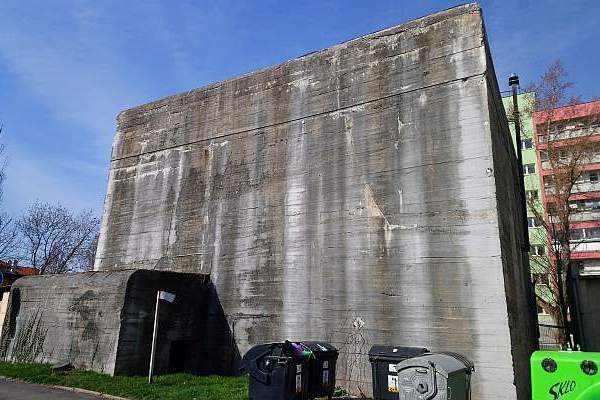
(166,296)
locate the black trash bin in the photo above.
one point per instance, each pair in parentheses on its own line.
(321,369)
(276,372)
(383,366)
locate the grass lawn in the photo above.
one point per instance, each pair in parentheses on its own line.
(165,387)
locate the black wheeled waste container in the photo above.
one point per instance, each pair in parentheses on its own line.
(321,369)
(276,372)
(383,366)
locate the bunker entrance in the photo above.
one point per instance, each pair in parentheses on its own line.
(183,356)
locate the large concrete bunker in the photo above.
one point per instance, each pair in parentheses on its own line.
(361,194)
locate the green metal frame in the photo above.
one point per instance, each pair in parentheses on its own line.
(568,381)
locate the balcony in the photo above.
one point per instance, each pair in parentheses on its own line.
(593,159)
(579,216)
(582,187)
(592,245)
(567,134)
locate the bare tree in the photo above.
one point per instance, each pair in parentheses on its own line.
(88,254)
(54,239)
(564,148)
(8,237)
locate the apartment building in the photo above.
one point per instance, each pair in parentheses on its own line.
(558,134)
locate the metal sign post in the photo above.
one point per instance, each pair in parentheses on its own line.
(160,295)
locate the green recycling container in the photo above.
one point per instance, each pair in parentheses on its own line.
(568,375)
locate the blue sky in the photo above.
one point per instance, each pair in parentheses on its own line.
(68,67)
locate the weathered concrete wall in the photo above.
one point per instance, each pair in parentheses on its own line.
(103,321)
(72,317)
(357,194)
(522,312)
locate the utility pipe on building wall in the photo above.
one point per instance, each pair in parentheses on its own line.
(513,81)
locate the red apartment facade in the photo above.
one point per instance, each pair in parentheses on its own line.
(564,128)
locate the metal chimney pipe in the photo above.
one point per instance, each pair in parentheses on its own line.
(513,81)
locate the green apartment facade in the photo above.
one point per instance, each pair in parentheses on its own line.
(538,256)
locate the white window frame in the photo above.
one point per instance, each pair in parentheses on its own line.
(533,222)
(535,250)
(527,170)
(524,143)
(530,197)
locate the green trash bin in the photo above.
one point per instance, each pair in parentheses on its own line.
(569,375)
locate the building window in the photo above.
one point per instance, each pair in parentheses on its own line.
(576,234)
(585,234)
(591,204)
(540,310)
(549,181)
(528,169)
(544,156)
(538,250)
(533,222)
(584,205)
(592,233)
(532,195)
(563,153)
(541,279)
(591,176)
(526,144)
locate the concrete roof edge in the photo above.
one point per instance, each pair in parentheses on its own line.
(411,24)
(32,280)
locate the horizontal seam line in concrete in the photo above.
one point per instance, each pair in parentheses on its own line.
(301,118)
(407,168)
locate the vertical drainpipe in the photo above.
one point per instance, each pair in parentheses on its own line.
(513,81)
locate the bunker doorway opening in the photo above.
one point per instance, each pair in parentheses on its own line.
(183,357)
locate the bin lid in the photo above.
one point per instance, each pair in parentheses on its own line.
(394,353)
(320,347)
(260,351)
(252,362)
(469,365)
(444,364)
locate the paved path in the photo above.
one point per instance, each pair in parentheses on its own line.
(11,390)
